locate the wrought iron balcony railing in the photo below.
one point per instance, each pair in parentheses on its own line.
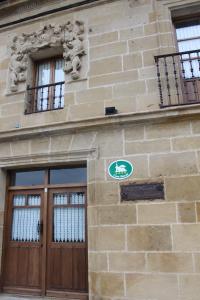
(179,78)
(45,97)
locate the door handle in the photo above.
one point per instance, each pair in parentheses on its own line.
(40,227)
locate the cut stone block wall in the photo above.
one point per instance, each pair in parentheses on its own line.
(142,250)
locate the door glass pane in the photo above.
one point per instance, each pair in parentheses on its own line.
(77,198)
(28,177)
(34,200)
(69,222)
(60,199)
(19,200)
(25,224)
(68,175)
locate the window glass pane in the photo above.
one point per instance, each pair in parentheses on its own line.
(44,73)
(59,70)
(68,175)
(188,32)
(28,177)
(189,45)
(43,79)
(59,89)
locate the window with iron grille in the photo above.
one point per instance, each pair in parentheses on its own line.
(47,92)
(179,73)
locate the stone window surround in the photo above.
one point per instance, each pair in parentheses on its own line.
(51,40)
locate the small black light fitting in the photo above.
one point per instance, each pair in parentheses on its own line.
(110,110)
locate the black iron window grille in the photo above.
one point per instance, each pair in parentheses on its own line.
(179,78)
(45,97)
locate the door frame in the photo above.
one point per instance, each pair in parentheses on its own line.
(46,187)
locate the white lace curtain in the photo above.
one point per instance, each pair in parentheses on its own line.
(69,222)
(25,220)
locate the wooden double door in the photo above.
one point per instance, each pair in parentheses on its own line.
(45,243)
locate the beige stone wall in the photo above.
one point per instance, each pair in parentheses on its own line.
(143,249)
(140,250)
(121,38)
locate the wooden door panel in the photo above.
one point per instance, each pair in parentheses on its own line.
(10,269)
(59,268)
(61,263)
(22,266)
(22,258)
(79,269)
(67,244)
(34,270)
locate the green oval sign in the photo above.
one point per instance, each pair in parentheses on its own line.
(120,169)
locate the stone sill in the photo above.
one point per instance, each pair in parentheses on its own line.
(156,116)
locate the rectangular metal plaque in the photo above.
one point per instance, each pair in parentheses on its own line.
(142,191)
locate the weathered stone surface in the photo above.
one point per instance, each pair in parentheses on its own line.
(186,237)
(180,164)
(60,143)
(97,262)
(149,238)
(134,133)
(108,50)
(40,145)
(170,262)
(107,238)
(129,89)
(5,149)
(143,43)
(186,143)
(106,66)
(111,284)
(131,33)
(197,262)
(110,145)
(148,286)
(147,146)
(182,188)
(83,141)
(120,214)
(20,148)
(132,61)
(85,111)
(106,193)
(104,38)
(198,211)
(189,287)
(168,130)
(186,212)
(127,262)
(93,95)
(113,78)
(156,213)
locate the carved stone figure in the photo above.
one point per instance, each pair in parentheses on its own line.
(73,50)
(69,36)
(18,66)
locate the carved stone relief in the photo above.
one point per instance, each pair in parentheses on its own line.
(68,36)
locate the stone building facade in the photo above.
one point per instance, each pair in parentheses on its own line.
(137,249)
